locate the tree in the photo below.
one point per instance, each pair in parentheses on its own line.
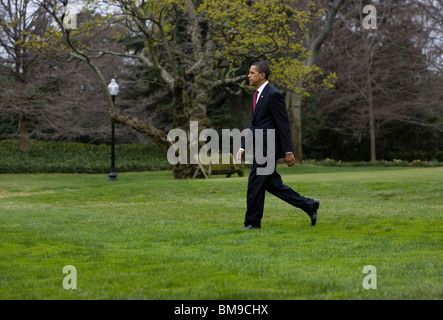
(294,96)
(430,14)
(22,68)
(382,74)
(76,107)
(197,49)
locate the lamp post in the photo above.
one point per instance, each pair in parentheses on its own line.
(113,90)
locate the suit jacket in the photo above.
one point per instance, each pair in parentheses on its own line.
(270,113)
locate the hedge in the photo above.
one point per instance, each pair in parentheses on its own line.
(73,157)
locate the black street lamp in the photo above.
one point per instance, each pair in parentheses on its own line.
(113,90)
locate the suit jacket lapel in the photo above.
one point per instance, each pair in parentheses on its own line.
(260,100)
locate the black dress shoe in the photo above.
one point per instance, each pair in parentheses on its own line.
(251,227)
(313,214)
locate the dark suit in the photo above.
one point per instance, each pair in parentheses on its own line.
(270,113)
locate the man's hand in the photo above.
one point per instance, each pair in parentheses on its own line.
(290,159)
(240,156)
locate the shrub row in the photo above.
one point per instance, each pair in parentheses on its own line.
(73,157)
(379,163)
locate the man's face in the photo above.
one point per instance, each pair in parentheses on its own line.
(256,78)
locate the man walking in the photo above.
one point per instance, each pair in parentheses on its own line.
(269,113)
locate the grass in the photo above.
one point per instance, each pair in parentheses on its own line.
(148,236)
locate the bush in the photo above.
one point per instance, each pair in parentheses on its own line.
(380,163)
(439,156)
(74,157)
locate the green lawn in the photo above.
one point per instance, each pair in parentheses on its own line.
(149,236)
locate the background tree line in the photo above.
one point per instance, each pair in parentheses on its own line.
(352,93)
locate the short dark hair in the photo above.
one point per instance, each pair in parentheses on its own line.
(263,67)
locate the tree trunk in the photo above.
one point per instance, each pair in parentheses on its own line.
(193,106)
(293,103)
(157,136)
(24,144)
(294,100)
(186,110)
(371,119)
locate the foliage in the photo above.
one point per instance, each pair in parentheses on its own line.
(379,163)
(204,49)
(73,157)
(387,96)
(272,30)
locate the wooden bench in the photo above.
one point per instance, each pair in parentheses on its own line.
(220,168)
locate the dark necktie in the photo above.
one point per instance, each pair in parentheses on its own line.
(255,101)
